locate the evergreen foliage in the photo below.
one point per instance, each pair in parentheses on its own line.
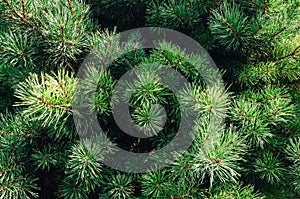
(254,153)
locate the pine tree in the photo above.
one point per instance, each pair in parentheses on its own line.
(253,153)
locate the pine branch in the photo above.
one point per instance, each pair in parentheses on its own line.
(24,9)
(243,114)
(271,98)
(24,20)
(265,8)
(161,16)
(177,14)
(80,18)
(8,169)
(9,17)
(12,9)
(274,114)
(280,31)
(166,57)
(236,35)
(54,105)
(171,62)
(289,55)
(109,46)
(62,29)
(19,134)
(100,86)
(70,6)
(256,31)
(11,184)
(186,167)
(97,53)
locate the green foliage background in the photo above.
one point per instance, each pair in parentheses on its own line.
(256,46)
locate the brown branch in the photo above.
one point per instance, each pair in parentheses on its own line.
(8,168)
(80,18)
(62,29)
(24,9)
(271,98)
(97,53)
(231,28)
(265,8)
(158,13)
(24,20)
(289,55)
(280,31)
(19,134)
(176,197)
(11,184)
(170,61)
(256,31)
(275,113)
(100,86)
(206,139)
(185,167)
(243,115)
(290,69)
(54,105)
(9,17)
(135,51)
(165,56)
(64,91)
(177,14)
(12,9)
(70,6)
(109,47)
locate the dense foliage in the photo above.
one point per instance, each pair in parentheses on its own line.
(254,154)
